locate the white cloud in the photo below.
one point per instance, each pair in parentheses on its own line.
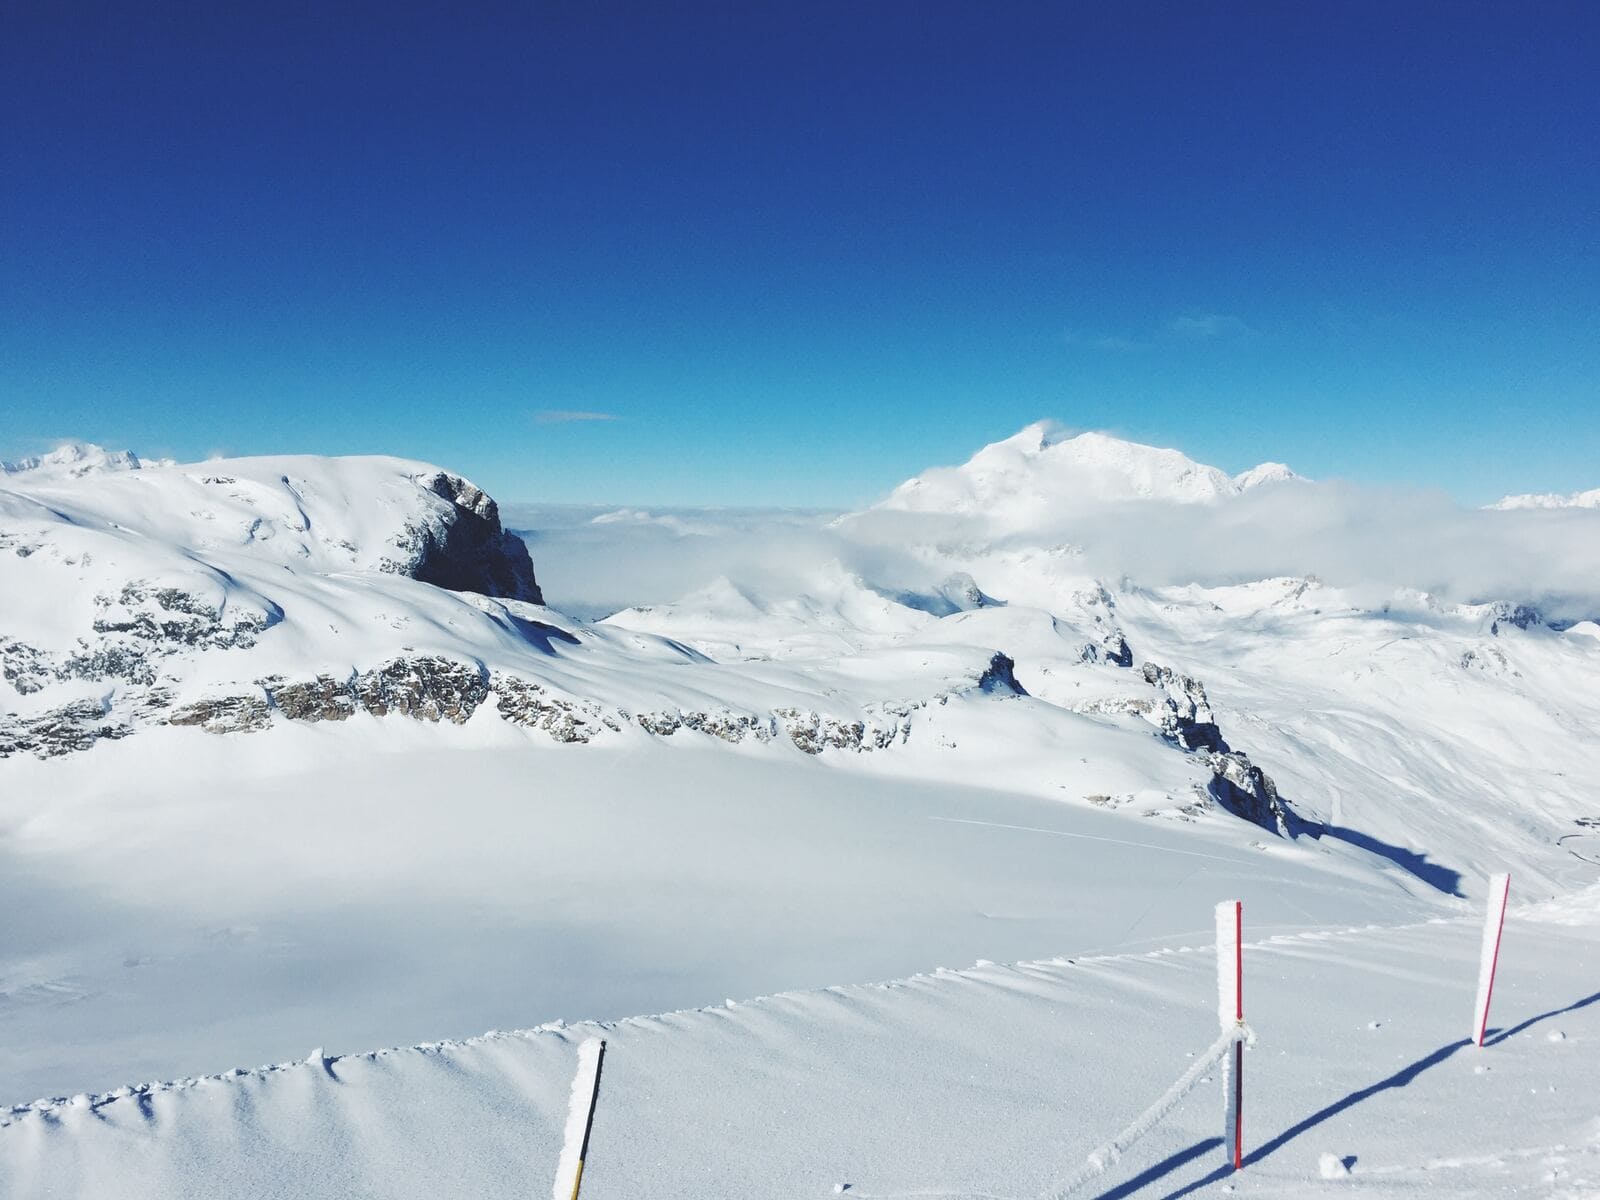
(1371,540)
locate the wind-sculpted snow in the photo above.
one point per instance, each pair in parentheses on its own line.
(997,1080)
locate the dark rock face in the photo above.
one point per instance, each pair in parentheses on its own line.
(467,550)
(1238,784)
(1516,616)
(1184,717)
(1189,720)
(1114,650)
(1001,677)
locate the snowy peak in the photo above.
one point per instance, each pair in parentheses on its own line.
(77,459)
(1267,472)
(1043,469)
(1589,499)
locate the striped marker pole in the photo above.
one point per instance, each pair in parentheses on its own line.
(580,1120)
(1494,920)
(1230,1018)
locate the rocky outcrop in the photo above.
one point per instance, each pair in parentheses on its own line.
(428,688)
(1244,788)
(1513,616)
(1000,677)
(325,698)
(170,618)
(1114,649)
(1187,719)
(1182,714)
(225,714)
(134,630)
(524,703)
(434,688)
(71,727)
(462,546)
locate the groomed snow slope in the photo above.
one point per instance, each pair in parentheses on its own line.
(993,1081)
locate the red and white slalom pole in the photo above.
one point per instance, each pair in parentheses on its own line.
(1494,921)
(1230,1017)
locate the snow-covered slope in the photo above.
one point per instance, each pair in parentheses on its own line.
(292,754)
(994,1081)
(236,593)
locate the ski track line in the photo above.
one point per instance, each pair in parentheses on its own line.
(49,1106)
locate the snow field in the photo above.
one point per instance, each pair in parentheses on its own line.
(997,1080)
(178,902)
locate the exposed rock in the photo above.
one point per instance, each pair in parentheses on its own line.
(1001,677)
(324,698)
(170,618)
(661,724)
(1513,616)
(528,704)
(1241,786)
(224,714)
(731,726)
(26,669)
(1114,650)
(463,547)
(428,688)
(1188,719)
(75,726)
(1183,715)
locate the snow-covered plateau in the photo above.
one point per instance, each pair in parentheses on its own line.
(307,752)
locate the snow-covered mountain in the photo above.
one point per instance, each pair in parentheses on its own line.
(1035,473)
(237,593)
(77,459)
(293,753)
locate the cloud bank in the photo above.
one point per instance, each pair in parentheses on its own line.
(1372,541)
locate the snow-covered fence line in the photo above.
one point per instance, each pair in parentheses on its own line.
(1227,1050)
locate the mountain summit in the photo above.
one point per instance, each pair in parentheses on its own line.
(1043,469)
(77,459)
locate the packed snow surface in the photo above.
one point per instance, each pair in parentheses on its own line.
(292,754)
(996,1080)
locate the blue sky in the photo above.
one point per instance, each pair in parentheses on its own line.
(797,253)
